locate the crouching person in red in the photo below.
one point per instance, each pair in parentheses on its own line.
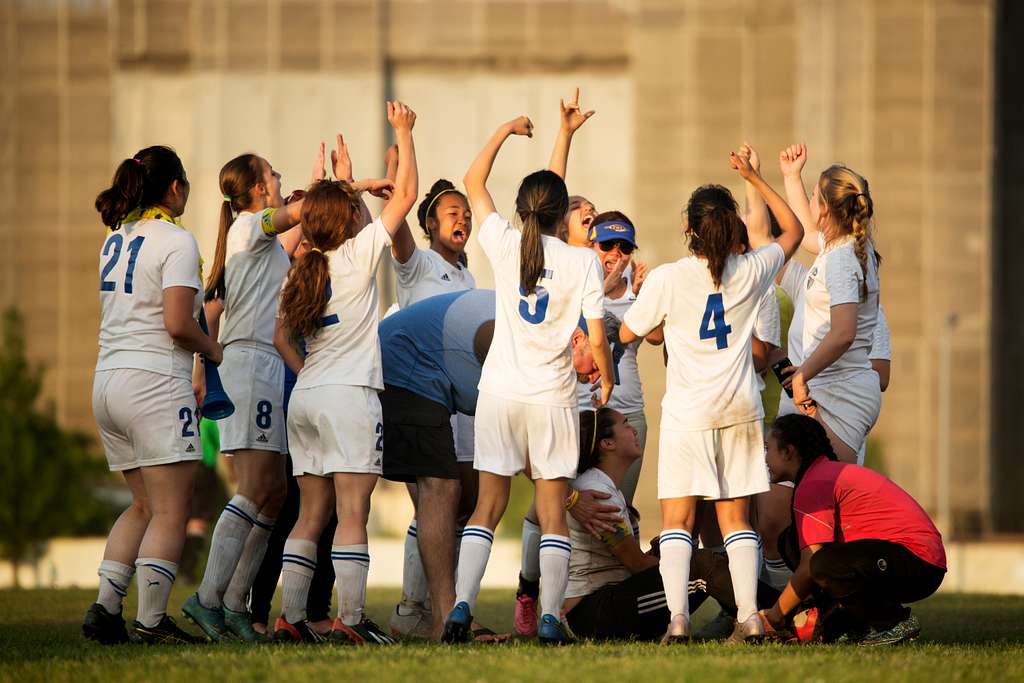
(865,545)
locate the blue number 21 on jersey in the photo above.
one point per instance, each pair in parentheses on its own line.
(112,248)
(714,313)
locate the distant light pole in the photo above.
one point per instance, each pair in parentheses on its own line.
(945,514)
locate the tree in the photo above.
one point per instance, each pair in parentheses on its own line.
(47,474)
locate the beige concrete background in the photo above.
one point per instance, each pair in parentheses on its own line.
(901,91)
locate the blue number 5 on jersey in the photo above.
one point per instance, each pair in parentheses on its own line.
(540,309)
(714,312)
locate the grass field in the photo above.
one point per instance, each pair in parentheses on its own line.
(964,638)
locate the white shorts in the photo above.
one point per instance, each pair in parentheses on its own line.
(511,434)
(253,379)
(850,407)
(145,418)
(335,428)
(713,463)
(463,430)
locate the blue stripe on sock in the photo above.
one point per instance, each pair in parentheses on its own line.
(160,570)
(264,525)
(478,532)
(239,512)
(350,556)
(120,590)
(299,560)
(740,536)
(556,544)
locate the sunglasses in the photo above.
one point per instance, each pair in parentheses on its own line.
(625,247)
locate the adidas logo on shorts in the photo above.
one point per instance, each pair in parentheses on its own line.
(262,438)
(190,448)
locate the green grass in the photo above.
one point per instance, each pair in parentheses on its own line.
(964,638)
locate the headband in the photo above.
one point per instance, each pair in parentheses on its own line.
(593,438)
(436,197)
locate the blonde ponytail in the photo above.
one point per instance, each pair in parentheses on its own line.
(848,198)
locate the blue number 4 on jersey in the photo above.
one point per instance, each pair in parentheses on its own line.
(714,312)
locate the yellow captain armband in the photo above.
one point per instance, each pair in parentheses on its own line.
(622,531)
(267,221)
(571,501)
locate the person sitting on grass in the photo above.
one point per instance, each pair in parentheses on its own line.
(865,544)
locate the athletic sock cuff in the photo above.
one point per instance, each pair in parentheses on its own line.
(675,536)
(555,544)
(530,526)
(480,535)
(299,556)
(351,553)
(776,564)
(165,567)
(116,568)
(265,523)
(411,531)
(243,508)
(741,539)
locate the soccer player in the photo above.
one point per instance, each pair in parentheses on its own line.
(335,430)
(711,435)
(526,412)
(143,401)
(249,265)
(886,552)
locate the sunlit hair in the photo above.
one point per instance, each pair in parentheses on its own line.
(541,204)
(141,181)
(714,228)
(238,179)
(329,212)
(848,199)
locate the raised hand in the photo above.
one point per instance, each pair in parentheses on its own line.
(572,115)
(521,125)
(318,165)
(741,163)
(378,187)
(639,275)
(400,116)
(792,159)
(751,153)
(341,162)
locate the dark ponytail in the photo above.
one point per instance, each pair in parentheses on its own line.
(593,428)
(238,178)
(806,436)
(428,207)
(714,227)
(541,204)
(140,181)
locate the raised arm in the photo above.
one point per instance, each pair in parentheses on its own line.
(403,246)
(791,161)
(792,230)
(572,117)
(402,120)
(475,180)
(602,356)
(759,226)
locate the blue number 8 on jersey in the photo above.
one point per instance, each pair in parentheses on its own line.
(540,309)
(715,312)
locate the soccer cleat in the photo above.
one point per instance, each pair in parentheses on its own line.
(164,633)
(103,627)
(749,631)
(904,631)
(364,633)
(552,631)
(239,624)
(414,626)
(456,626)
(719,628)
(678,631)
(294,634)
(526,615)
(209,620)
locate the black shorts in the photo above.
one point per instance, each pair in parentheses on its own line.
(418,439)
(631,609)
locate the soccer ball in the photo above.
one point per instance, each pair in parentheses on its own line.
(804,623)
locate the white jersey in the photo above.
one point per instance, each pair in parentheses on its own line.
(592,564)
(711,380)
(255,265)
(346,350)
(628,395)
(881,344)
(137,263)
(427,274)
(835,278)
(792,284)
(529,360)
(768,325)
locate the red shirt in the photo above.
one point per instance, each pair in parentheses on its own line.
(838,502)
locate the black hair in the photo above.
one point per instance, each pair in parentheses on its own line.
(715,229)
(590,445)
(541,204)
(141,181)
(430,202)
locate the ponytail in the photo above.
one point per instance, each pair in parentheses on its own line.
(714,228)
(238,179)
(848,198)
(328,211)
(141,181)
(541,204)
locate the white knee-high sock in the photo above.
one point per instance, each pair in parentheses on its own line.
(114,580)
(229,536)
(529,564)
(237,594)
(156,578)
(554,570)
(676,550)
(351,565)
(298,562)
(744,566)
(414,577)
(474,551)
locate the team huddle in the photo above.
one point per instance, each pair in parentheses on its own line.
(456,390)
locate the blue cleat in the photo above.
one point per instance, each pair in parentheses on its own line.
(552,631)
(456,627)
(210,621)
